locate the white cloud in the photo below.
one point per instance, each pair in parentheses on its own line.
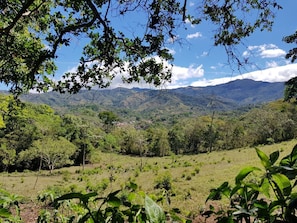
(204,82)
(182,73)
(194,35)
(204,54)
(276,74)
(246,54)
(272,53)
(264,51)
(195,76)
(181,76)
(271,64)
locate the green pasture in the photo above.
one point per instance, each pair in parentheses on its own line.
(190,176)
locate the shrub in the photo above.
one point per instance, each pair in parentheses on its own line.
(197,170)
(164,181)
(188,178)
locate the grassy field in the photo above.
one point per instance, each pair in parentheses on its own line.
(191,176)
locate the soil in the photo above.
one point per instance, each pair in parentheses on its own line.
(29,212)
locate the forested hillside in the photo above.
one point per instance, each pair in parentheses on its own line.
(226,96)
(165,105)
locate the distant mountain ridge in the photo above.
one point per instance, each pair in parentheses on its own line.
(226,96)
(241,92)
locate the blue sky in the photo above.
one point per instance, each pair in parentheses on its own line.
(198,63)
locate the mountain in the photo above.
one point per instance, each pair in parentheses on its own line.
(232,95)
(241,92)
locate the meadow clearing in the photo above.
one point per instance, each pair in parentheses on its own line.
(188,177)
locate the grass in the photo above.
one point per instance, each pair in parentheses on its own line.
(192,176)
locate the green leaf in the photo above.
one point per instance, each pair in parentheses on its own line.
(131,196)
(294,152)
(133,186)
(113,194)
(70,196)
(243,173)
(264,158)
(154,211)
(291,159)
(273,157)
(283,183)
(4,213)
(85,218)
(275,205)
(235,190)
(265,187)
(261,204)
(114,202)
(225,189)
(215,194)
(82,197)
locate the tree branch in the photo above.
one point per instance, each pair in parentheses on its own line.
(52,54)
(184,8)
(17,17)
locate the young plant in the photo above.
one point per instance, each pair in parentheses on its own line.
(9,207)
(267,198)
(135,207)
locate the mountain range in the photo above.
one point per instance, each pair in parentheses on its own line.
(228,96)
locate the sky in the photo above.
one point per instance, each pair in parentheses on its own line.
(199,63)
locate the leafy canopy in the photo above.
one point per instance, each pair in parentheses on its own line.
(32,32)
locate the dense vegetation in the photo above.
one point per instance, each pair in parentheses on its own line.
(35,136)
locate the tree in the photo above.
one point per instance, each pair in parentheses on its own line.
(176,137)
(7,157)
(231,134)
(33,31)
(18,131)
(194,136)
(108,118)
(84,146)
(53,152)
(291,90)
(109,143)
(132,141)
(157,141)
(268,126)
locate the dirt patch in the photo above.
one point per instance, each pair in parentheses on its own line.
(29,212)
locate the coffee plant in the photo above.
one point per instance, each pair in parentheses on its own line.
(266,194)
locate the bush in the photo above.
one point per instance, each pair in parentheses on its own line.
(164,182)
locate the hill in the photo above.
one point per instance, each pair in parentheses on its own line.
(229,96)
